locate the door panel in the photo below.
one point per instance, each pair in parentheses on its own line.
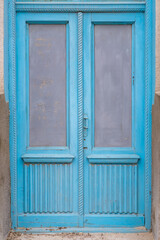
(47,80)
(113,104)
(112,189)
(47,106)
(48,122)
(112,68)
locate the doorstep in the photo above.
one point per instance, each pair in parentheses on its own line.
(82,236)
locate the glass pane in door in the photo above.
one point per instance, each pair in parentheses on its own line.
(113,93)
(47,90)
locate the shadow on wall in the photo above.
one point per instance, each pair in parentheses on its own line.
(156,168)
(4,169)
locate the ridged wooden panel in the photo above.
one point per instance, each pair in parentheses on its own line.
(113,189)
(47,188)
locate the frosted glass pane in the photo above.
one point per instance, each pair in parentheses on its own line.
(47,77)
(113,52)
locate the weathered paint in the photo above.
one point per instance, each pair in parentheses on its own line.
(37,220)
(117,175)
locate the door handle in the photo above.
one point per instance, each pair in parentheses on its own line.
(85,125)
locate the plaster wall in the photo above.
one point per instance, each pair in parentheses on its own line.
(4,169)
(1,46)
(4,140)
(158,47)
(4,144)
(156,168)
(156,137)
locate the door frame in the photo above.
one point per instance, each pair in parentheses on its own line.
(11,7)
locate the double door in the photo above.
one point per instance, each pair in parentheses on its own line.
(80,107)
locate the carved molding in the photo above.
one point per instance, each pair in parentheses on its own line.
(71,7)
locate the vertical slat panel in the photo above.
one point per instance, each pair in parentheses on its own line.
(35,188)
(100,189)
(38,187)
(30,196)
(93,188)
(130,189)
(112,189)
(53,204)
(66,190)
(55,187)
(48,188)
(45,187)
(68,187)
(108,185)
(125,188)
(58,190)
(120,189)
(96,189)
(40,192)
(115,189)
(25,189)
(71,187)
(90,190)
(105,190)
(136,190)
(61,191)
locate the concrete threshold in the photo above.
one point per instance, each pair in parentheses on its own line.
(82,236)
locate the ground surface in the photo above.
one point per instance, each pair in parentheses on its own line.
(82,236)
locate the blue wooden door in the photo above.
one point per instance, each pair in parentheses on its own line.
(48,120)
(113,120)
(80,122)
